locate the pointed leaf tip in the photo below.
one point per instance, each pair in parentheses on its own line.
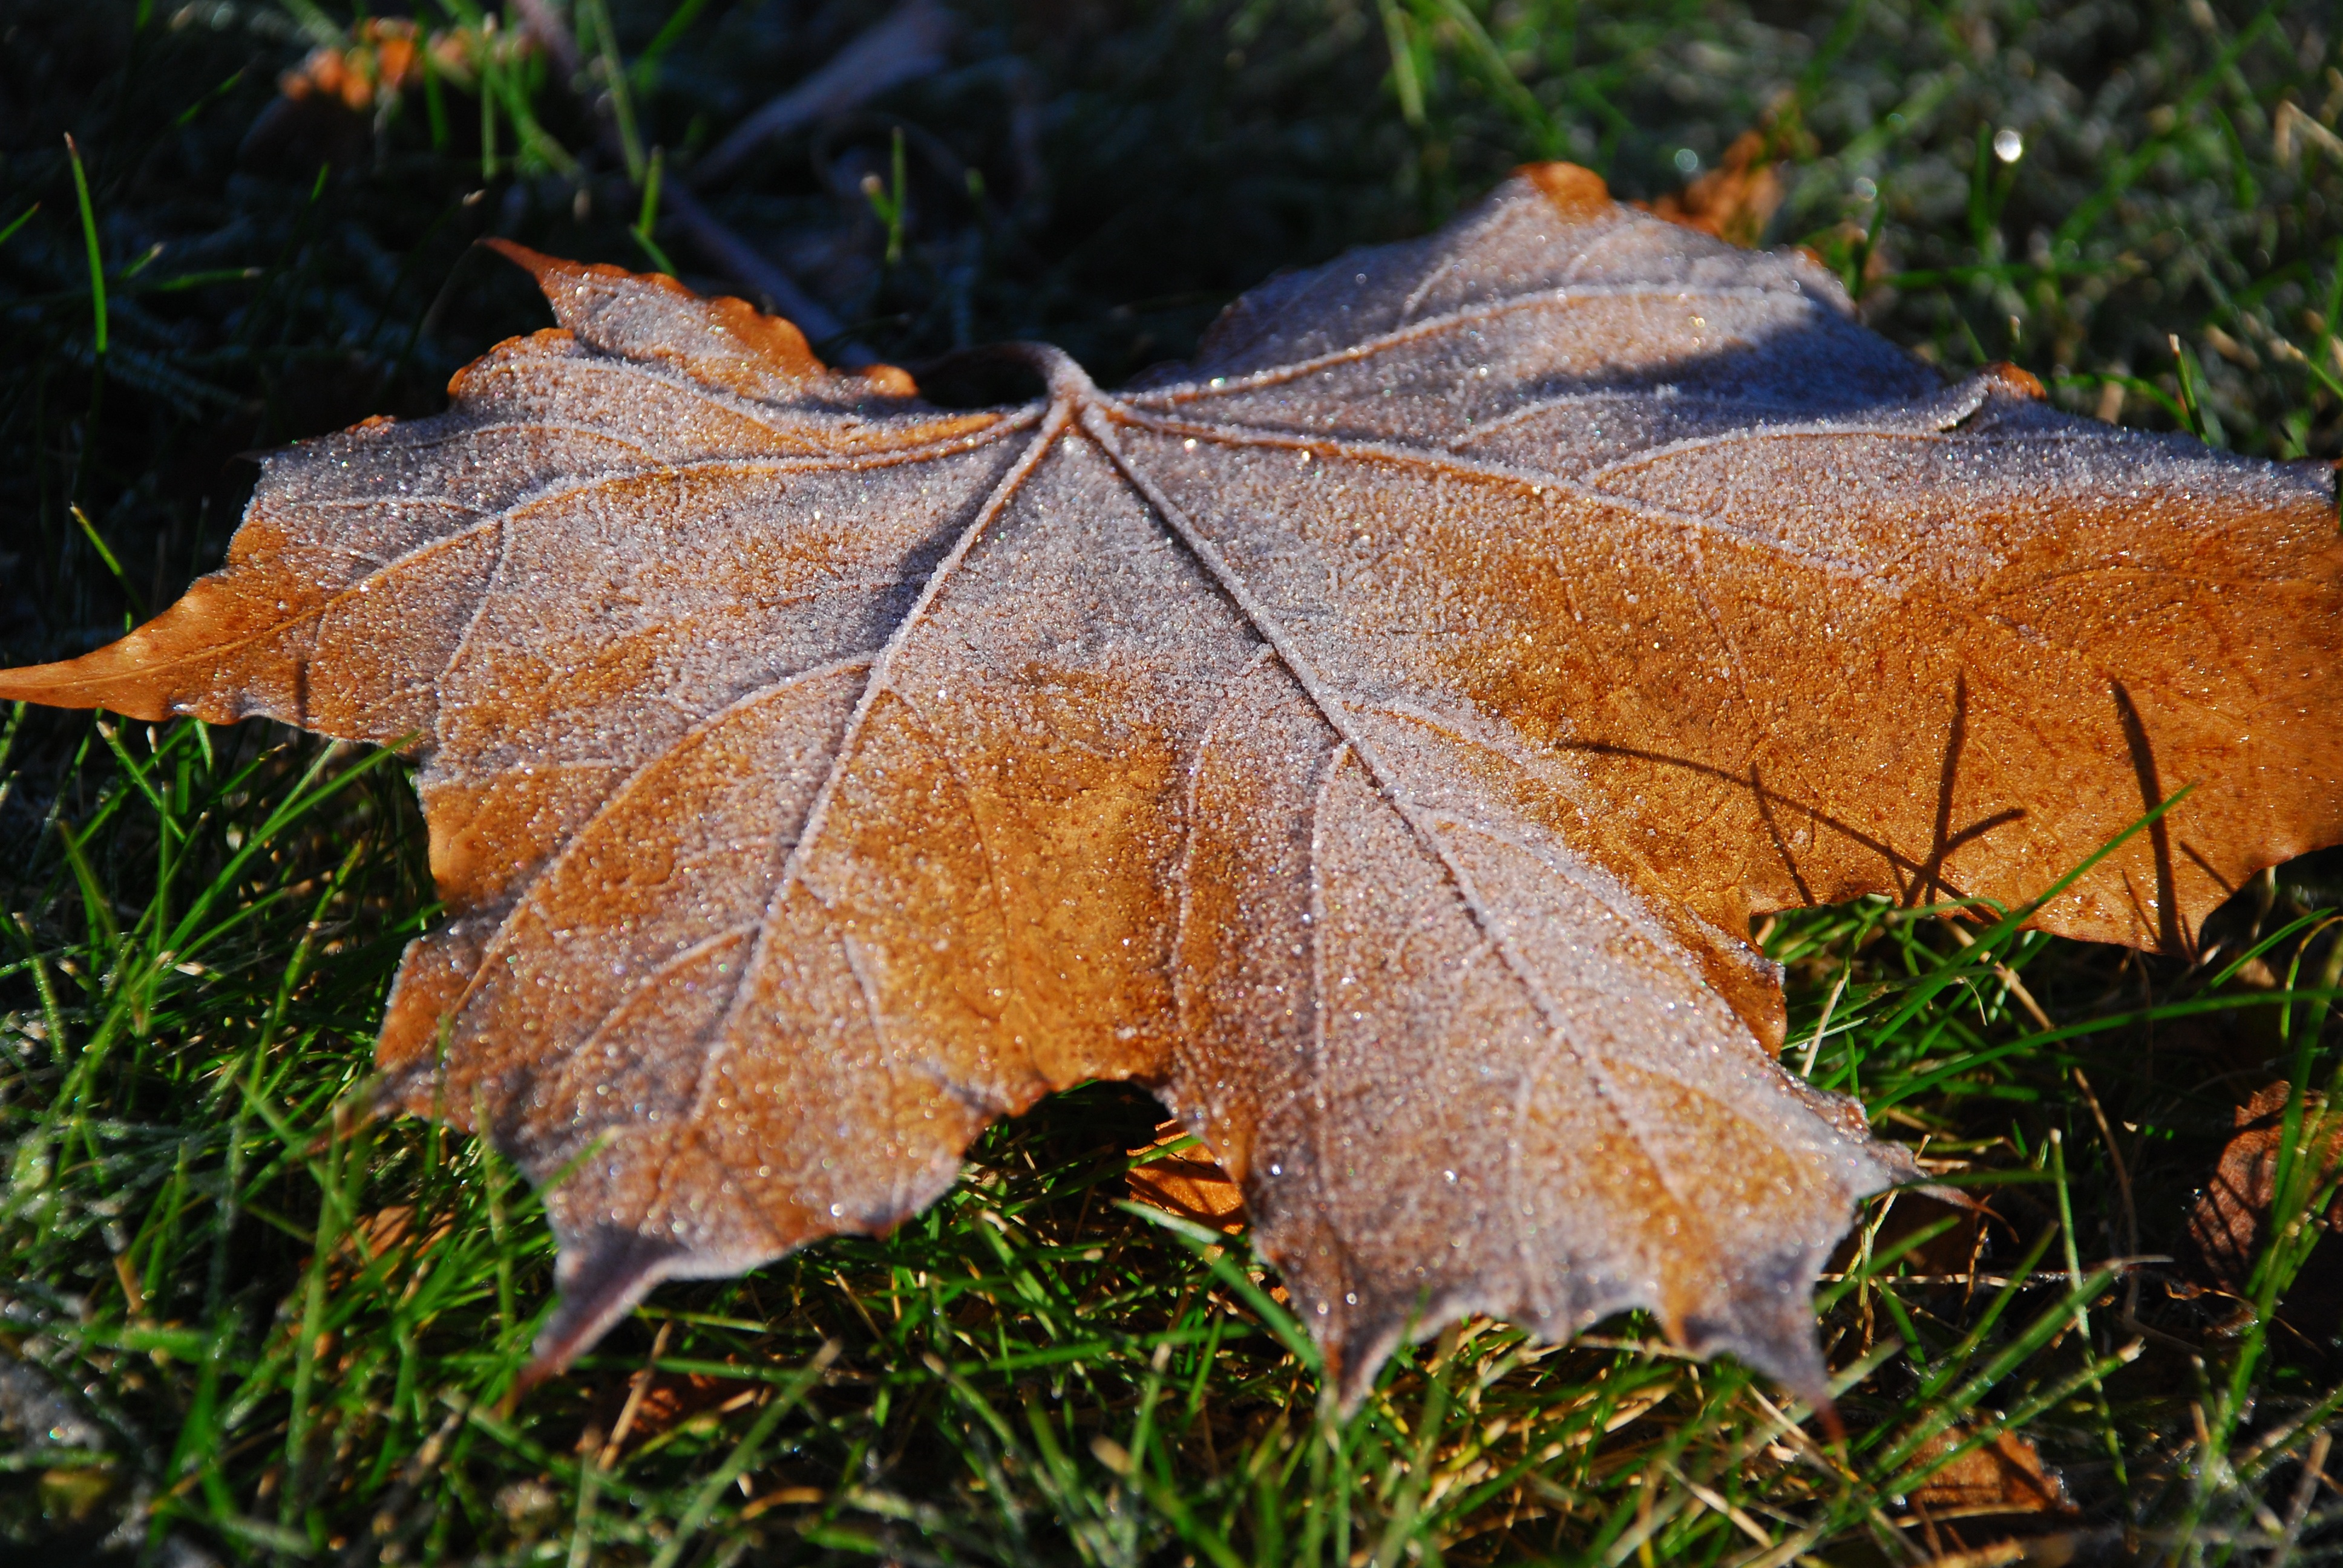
(601,1278)
(650,318)
(1576,192)
(188,659)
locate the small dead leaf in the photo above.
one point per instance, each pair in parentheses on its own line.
(670,1398)
(2225,1225)
(1375,738)
(1189,1183)
(2003,1475)
(324,108)
(1736,199)
(389,1230)
(382,57)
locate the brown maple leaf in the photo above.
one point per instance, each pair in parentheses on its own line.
(1375,737)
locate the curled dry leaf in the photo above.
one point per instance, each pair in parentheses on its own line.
(2224,1223)
(2004,1474)
(1736,199)
(1375,737)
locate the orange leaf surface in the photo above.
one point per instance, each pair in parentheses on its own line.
(1189,1183)
(1375,737)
